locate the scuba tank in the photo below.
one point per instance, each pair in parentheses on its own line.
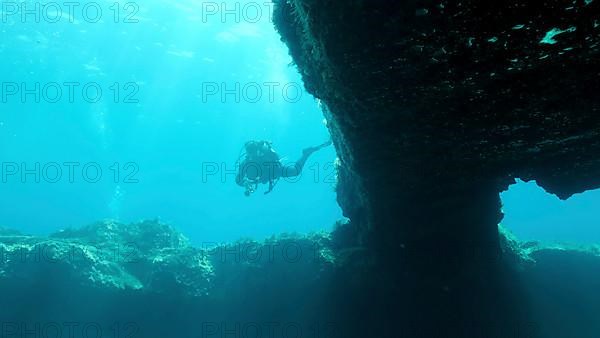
(261,154)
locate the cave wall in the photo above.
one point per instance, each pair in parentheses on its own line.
(435,108)
(436,101)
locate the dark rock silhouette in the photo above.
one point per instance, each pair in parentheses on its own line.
(435,108)
(143,280)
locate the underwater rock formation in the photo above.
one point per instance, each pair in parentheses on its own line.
(558,282)
(146,274)
(435,108)
(153,258)
(146,279)
(442,101)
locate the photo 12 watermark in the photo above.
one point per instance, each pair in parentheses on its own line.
(251,92)
(73,12)
(289,251)
(236,11)
(69,172)
(57,252)
(469,329)
(274,329)
(68,92)
(222,172)
(74,329)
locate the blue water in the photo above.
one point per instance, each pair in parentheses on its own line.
(160,127)
(180,88)
(534,215)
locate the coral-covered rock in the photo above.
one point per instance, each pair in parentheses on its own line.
(313,283)
(147,274)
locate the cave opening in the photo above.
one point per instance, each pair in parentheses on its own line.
(532,214)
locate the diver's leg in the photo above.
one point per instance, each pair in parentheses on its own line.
(296,169)
(311,150)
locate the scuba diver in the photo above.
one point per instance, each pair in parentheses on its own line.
(262,165)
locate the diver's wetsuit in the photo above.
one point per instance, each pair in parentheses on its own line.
(262,165)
